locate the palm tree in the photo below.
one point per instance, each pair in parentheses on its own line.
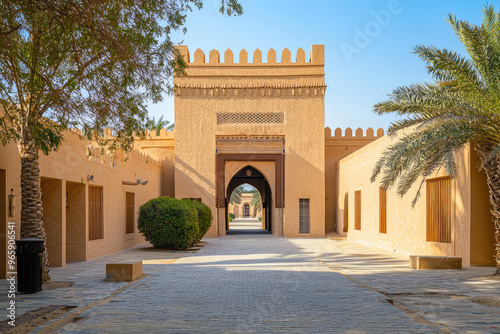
(236,195)
(256,200)
(151,124)
(439,118)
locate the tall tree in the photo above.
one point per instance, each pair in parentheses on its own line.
(92,63)
(438,119)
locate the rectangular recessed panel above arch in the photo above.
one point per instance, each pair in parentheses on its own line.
(250,144)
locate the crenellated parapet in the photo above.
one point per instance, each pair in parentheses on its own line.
(358,134)
(165,140)
(163,134)
(98,152)
(317,57)
(252,77)
(350,138)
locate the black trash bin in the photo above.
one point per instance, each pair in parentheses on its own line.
(29,254)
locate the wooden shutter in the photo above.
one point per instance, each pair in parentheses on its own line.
(346,212)
(96,226)
(439,209)
(357,210)
(130,212)
(382,210)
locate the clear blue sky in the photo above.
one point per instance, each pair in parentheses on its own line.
(355,81)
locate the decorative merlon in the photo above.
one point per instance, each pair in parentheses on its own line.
(317,57)
(370,134)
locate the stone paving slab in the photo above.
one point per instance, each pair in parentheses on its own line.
(267,284)
(250,284)
(442,297)
(88,277)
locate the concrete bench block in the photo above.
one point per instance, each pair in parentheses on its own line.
(123,271)
(435,262)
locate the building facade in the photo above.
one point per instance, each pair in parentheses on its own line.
(245,209)
(260,123)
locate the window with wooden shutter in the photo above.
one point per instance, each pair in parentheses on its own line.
(346,212)
(382,220)
(130,212)
(439,209)
(96,225)
(357,210)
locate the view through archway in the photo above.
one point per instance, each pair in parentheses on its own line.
(248,203)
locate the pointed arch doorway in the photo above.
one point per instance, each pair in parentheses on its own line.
(271,171)
(252,176)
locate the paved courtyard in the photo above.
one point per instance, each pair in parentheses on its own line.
(267,284)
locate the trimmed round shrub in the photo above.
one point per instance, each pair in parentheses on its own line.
(231,215)
(204,217)
(168,223)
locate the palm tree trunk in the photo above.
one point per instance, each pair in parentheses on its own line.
(492,170)
(31,198)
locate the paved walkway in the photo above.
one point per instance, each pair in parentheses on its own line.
(246,226)
(266,284)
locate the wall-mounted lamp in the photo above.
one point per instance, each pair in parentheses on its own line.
(90,178)
(12,203)
(129,183)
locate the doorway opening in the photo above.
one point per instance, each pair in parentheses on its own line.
(76,240)
(52,199)
(248,204)
(3,223)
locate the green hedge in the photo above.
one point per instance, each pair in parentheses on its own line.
(204,217)
(232,216)
(169,223)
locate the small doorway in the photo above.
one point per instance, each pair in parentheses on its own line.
(246,210)
(3,223)
(76,240)
(52,203)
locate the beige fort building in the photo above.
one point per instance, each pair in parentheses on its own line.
(244,121)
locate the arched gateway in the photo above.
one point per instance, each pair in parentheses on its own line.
(250,175)
(257,122)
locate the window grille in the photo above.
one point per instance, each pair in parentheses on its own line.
(303,215)
(251,118)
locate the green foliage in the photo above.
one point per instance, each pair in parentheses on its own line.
(257,199)
(151,124)
(236,195)
(232,215)
(169,223)
(93,64)
(438,119)
(260,219)
(204,217)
